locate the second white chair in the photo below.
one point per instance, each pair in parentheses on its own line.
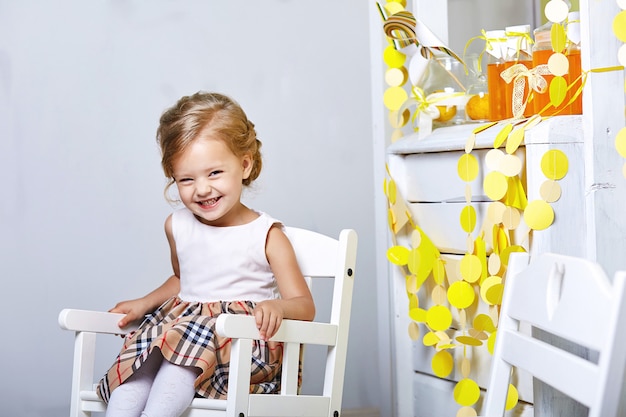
(572,299)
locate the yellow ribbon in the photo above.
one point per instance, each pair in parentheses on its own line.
(426,107)
(520,38)
(488,45)
(519,74)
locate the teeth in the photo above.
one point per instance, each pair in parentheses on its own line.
(208,202)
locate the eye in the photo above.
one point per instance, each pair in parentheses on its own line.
(214,173)
(184,180)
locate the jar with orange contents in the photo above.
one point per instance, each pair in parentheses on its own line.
(519,51)
(496,58)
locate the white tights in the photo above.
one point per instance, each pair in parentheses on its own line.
(158,389)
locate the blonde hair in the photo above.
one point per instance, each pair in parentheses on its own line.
(203,113)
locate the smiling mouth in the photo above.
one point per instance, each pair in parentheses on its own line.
(208,203)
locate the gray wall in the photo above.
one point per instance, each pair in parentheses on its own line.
(82,85)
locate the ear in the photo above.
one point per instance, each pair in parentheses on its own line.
(247,163)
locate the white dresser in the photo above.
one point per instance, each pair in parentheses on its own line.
(425,173)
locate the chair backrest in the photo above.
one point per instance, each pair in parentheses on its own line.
(572,299)
(321,256)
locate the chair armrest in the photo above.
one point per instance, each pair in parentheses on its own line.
(239,326)
(93,321)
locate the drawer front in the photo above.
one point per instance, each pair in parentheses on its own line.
(433,177)
(441,223)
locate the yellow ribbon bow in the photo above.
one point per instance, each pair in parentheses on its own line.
(426,107)
(519,73)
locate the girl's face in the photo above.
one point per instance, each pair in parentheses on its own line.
(209,180)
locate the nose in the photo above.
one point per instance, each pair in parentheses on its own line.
(203,187)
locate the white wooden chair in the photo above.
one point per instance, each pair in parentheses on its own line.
(572,299)
(318,256)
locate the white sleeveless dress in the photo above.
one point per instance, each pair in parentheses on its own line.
(223,270)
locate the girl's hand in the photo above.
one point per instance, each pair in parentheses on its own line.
(134,310)
(269,315)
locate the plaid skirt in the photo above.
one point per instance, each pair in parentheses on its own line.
(184,333)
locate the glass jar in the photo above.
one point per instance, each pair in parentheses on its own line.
(496,58)
(519,51)
(444,84)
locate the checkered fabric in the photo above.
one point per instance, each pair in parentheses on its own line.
(184,333)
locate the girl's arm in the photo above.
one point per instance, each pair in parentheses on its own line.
(137,308)
(296,301)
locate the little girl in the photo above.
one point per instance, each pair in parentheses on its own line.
(226,257)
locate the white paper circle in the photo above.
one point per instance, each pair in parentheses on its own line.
(556,11)
(493,159)
(621,55)
(558,64)
(621,4)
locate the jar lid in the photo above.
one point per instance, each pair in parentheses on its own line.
(573,27)
(518,29)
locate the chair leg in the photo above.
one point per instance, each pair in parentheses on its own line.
(82,378)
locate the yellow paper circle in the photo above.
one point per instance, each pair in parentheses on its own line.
(466,392)
(394,97)
(391,219)
(393,7)
(391,191)
(468,218)
(469,341)
(538,215)
(558,37)
(554,164)
(502,135)
(512,398)
(430,339)
(483,322)
(506,253)
(558,90)
(495,185)
(439,318)
(439,271)
(491,342)
(558,64)
(471,267)
(550,191)
(515,140)
(620,142)
(442,363)
(418,314)
(467,167)
(393,58)
(490,289)
(619,26)
(398,255)
(461,294)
